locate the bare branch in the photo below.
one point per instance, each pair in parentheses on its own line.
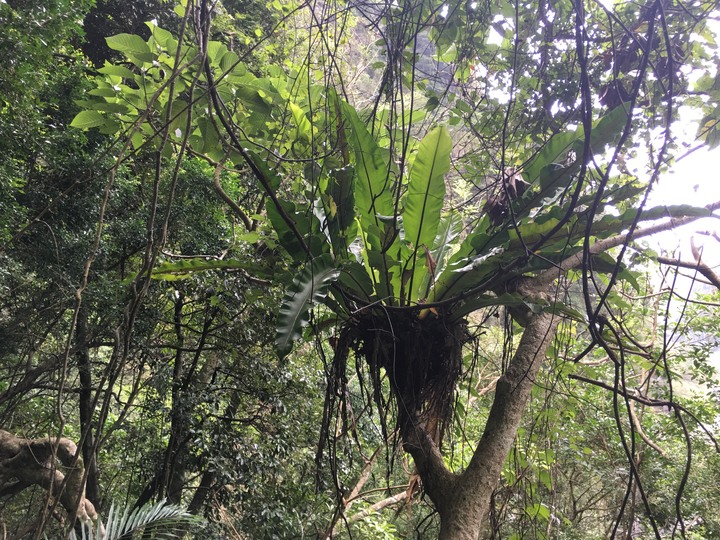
(698,265)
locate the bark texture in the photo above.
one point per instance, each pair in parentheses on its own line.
(462,500)
(89,450)
(28,462)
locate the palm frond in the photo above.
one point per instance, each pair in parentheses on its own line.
(160,521)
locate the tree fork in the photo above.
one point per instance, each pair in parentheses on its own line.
(462,500)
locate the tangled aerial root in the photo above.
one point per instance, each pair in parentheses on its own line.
(421,358)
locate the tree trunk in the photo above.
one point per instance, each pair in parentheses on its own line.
(89,452)
(51,463)
(462,500)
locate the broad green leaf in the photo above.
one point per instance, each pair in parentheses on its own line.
(340,200)
(425,196)
(249,237)
(549,176)
(605,130)
(606,263)
(163,38)
(386,274)
(608,128)
(132,46)
(215,51)
(307,224)
(675,211)
(372,188)
(448,276)
(116,71)
(121,108)
(478,235)
(554,151)
(538,510)
(103,91)
(603,263)
(208,130)
(87,120)
(137,140)
(609,224)
(308,288)
(340,189)
(466,273)
(373,199)
(355,278)
(708,128)
(450,226)
(531,231)
(229,61)
(304,128)
(422,205)
(271,177)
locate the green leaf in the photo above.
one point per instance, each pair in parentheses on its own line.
(163,38)
(372,193)
(215,51)
(171,271)
(103,91)
(340,189)
(307,224)
(132,46)
(229,61)
(121,108)
(304,128)
(308,288)
(340,201)
(514,300)
(373,199)
(355,278)
(425,196)
(603,263)
(484,300)
(608,128)
(87,120)
(466,273)
(545,172)
(538,510)
(675,211)
(422,205)
(448,229)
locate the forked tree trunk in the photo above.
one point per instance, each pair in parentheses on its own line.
(462,500)
(51,463)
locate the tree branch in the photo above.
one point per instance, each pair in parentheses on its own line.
(239,212)
(698,265)
(389,501)
(548,276)
(639,429)
(32,462)
(438,480)
(651,402)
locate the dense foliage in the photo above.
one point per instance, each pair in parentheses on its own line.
(317,270)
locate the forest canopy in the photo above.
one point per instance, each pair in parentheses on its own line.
(357,270)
